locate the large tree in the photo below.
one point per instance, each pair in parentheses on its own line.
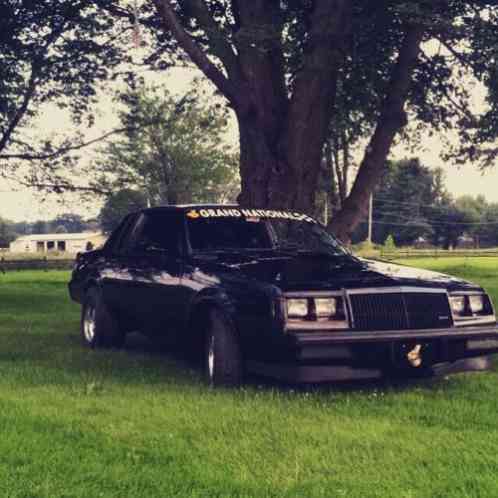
(295,73)
(290,68)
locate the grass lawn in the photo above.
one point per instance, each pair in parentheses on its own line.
(138,423)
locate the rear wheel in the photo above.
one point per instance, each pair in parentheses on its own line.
(222,358)
(99,326)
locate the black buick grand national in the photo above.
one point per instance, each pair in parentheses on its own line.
(273,293)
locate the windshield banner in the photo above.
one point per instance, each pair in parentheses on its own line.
(247,213)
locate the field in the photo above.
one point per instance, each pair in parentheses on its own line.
(140,423)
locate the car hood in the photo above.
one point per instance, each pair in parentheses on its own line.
(316,273)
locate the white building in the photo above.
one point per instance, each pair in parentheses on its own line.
(61,242)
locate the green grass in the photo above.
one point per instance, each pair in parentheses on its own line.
(139,423)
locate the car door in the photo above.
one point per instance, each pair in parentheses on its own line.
(153,271)
(115,274)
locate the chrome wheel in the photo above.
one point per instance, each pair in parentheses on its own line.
(210,358)
(89,323)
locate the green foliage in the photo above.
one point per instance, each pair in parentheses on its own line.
(176,152)
(70,222)
(440,97)
(473,217)
(7,234)
(53,52)
(450,224)
(60,51)
(64,223)
(402,203)
(389,244)
(118,205)
(412,202)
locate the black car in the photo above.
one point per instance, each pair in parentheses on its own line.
(273,293)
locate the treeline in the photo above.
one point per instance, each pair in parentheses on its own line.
(64,223)
(413,206)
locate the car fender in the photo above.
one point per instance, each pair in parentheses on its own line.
(206,300)
(216,297)
(92,281)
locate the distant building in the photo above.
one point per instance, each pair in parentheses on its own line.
(422,243)
(466,242)
(60,242)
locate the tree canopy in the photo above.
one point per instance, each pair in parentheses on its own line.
(175,151)
(7,234)
(296,74)
(53,52)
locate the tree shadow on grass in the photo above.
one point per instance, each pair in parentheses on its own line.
(139,345)
(390,382)
(62,359)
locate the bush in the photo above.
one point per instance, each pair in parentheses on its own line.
(389,244)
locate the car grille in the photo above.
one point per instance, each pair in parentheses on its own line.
(400,311)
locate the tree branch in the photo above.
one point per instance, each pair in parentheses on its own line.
(57,187)
(36,66)
(220,46)
(457,55)
(391,120)
(459,107)
(172,23)
(21,111)
(64,150)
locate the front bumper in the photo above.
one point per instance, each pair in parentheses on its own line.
(327,356)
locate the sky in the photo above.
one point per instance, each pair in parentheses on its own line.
(19,204)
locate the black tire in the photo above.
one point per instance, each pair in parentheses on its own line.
(223,363)
(99,327)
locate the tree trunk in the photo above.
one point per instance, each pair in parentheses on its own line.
(391,120)
(269,178)
(282,137)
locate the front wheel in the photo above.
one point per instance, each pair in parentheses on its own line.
(223,359)
(99,326)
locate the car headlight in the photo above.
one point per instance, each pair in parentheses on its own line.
(469,308)
(316,313)
(297,308)
(457,304)
(326,307)
(476,303)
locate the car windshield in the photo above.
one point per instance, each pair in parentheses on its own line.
(212,230)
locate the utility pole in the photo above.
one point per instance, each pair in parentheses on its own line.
(370,219)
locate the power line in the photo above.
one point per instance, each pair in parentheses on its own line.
(402,220)
(432,221)
(413,204)
(442,223)
(385,200)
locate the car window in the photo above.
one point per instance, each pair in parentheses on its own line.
(159,230)
(258,229)
(113,243)
(227,233)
